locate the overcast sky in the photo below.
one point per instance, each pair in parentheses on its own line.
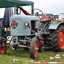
(50,6)
(47,6)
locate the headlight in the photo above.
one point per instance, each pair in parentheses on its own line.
(26,24)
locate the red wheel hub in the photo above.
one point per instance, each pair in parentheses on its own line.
(2,51)
(3,47)
(36,48)
(61,39)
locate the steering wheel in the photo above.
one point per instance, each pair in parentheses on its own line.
(38,12)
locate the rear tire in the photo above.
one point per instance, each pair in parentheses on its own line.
(58,39)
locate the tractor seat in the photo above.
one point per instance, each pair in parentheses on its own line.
(45,18)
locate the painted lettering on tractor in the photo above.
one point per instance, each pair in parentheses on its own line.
(14,24)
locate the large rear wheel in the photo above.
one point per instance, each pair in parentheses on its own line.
(58,39)
(34,46)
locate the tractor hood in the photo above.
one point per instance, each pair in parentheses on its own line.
(18,24)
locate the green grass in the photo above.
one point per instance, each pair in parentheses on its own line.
(23,56)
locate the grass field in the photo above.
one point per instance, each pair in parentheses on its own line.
(22,57)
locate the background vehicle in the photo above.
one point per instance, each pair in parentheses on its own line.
(52,32)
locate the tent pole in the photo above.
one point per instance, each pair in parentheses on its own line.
(32,7)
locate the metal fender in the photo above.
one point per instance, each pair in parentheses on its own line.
(55,24)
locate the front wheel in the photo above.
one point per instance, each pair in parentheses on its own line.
(34,46)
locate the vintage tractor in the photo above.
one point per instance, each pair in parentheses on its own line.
(31,31)
(52,32)
(24,30)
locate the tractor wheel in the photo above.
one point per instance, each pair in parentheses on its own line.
(34,48)
(58,39)
(3,47)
